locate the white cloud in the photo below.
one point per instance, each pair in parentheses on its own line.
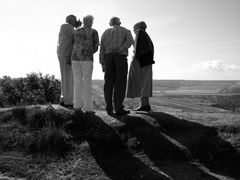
(215,66)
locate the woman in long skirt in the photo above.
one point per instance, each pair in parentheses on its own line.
(140,73)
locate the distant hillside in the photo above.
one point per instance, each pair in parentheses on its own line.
(231,89)
(190,86)
(186,86)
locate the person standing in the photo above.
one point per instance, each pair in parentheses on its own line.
(140,71)
(114,46)
(64,51)
(86,43)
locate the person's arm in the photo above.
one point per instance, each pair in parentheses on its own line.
(143,45)
(102,50)
(68,31)
(95,41)
(128,41)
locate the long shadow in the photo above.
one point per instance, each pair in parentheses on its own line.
(166,155)
(110,153)
(203,142)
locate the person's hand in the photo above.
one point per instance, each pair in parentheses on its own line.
(78,24)
(114,50)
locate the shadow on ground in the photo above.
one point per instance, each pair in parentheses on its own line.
(201,141)
(176,147)
(110,153)
(145,145)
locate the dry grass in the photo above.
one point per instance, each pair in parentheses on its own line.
(139,146)
(173,142)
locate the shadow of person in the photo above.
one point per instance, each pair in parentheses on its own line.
(110,153)
(202,141)
(168,155)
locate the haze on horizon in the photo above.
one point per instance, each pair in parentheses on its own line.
(194,40)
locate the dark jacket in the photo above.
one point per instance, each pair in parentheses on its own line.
(144,49)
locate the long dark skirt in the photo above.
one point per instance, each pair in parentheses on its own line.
(139,80)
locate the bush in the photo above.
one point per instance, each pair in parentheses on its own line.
(49,139)
(47,118)
(33,89)
(46,140)
(37,131)
(13,137)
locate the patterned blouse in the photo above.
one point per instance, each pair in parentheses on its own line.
(86,43)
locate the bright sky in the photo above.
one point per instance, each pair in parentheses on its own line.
(194,39)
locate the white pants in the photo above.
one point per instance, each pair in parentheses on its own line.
(82,79)
(66,81)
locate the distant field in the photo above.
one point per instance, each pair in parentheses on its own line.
(180,95)
(183,95)
(189,86)
(184,86)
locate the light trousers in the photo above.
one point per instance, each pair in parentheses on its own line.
(66,81)
(82,88)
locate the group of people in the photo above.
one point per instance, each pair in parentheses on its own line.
(76,46)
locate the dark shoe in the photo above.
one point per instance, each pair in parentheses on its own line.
(90,112)
(144,108)
(78,112)
(66,105)
(122,112)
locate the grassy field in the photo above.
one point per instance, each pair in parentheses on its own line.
(192,133)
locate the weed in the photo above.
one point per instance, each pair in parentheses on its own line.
(35,131)
(49,140)
(19,114)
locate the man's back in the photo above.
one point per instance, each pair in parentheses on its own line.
(115,39)
(65,40)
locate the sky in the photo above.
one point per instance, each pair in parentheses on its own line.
(193,39)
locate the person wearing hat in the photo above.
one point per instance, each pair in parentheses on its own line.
(114,46)
(140,71)
(64,51)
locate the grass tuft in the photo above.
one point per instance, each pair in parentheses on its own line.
(50,140)
(35,131)
(19,114)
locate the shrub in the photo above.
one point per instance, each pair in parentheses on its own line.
(49,139)
(35,131)
(10,94)
(35,88)
(19,114)
(47,117)
(13,137)
(46,140)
